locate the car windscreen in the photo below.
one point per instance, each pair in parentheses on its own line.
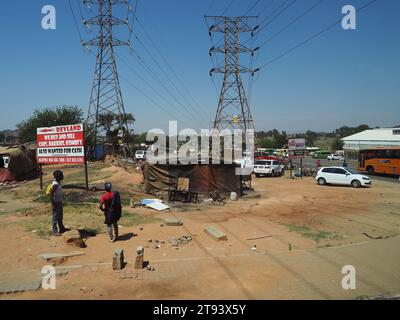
(263,163)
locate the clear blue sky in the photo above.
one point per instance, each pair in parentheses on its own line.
(339,78)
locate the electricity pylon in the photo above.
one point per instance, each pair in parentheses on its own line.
(106,104)
(233,108)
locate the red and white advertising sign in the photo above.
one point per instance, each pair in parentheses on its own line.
(296,148)
(61,144)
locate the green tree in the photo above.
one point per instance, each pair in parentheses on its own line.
(48,117)
(279,140)
(337,144)
(266,143)
(310,137)
(139,138)
(109,123)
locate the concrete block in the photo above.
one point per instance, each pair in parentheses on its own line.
(139,260)
(49,256)
(172,221)
(215,233)
(118,259)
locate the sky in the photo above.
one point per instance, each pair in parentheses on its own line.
(342,77)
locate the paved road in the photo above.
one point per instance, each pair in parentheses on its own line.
(352,164)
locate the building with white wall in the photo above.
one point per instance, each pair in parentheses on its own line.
(372,138)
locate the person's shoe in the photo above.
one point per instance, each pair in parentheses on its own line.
(56,234)
(64,230)
(112,240)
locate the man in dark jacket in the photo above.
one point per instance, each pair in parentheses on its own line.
(110,204)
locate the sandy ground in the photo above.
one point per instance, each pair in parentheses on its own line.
(298,217)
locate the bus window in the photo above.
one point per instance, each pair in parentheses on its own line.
(371,154)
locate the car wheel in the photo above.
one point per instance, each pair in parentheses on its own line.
(321,181)
(257,175)
(370,170)
(356,184)
(273,173)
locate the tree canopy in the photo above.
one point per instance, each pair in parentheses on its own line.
(48,117)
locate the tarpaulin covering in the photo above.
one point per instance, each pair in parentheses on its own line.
(22,163)
(5,175)
(204,178)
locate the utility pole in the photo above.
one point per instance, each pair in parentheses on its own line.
(233,108)
(106,104)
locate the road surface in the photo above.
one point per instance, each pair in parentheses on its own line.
(351,164)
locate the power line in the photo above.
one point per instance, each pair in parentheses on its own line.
(312,37)
(80,9)
(266,7)
(292,22)
(160,81)
(146,82)
(277,16)
(252,7)
(165,44)
(274,17)
(146,95)
(173,72)
(227,8)
(75,21)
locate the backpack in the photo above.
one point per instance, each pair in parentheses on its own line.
(48,190)
(114,209)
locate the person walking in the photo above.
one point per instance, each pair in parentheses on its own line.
(56,195)
(110,204)
(344,163)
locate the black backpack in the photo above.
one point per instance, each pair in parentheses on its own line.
(115,209)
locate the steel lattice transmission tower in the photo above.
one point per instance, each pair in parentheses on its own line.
(233,108)
(106,97)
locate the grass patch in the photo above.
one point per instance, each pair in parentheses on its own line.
(306,232)
(41,225)
(77,216)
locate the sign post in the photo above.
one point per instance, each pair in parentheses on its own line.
(297,148)
(61,145)
(86,176)
(41,176)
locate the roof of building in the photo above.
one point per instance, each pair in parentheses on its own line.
(384,134)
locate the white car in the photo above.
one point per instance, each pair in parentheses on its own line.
(342,176)
(267,168)
(335,157)
(140,155)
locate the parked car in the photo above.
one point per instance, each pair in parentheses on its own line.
(335,157)
(342,176)
(268,168)
(140,155)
